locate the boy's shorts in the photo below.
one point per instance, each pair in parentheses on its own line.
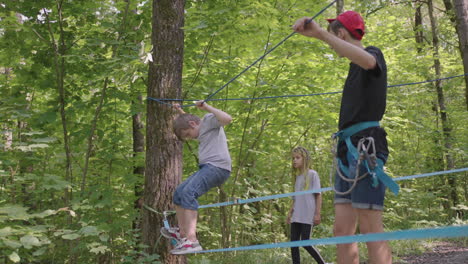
(199,183)
(363,196)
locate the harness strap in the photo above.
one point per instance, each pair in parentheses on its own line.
(352,155)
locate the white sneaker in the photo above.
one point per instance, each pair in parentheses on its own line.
(172,232)
(186,246)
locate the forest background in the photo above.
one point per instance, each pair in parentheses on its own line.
(74,180)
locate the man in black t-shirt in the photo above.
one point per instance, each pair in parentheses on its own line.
(363,102)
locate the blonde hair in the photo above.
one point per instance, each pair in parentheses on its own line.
(304,170)
(181,122)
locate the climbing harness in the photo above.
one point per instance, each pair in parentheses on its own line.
(362,156)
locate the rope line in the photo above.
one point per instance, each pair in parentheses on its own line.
(248,67)
(439,232)
(266,53)
(283,195)
(162,100)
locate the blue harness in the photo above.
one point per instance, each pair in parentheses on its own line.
(352,157)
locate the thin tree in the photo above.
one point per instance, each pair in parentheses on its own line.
(446,128)
(339,7)
(418,28)
(458,13)
(163,150)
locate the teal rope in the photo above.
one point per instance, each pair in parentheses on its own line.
(283,195)
(439,232)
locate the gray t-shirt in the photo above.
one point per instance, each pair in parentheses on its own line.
(304,205)
(213,148)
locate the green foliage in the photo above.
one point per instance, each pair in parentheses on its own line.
(46,216)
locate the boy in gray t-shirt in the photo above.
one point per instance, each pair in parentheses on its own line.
(215,168)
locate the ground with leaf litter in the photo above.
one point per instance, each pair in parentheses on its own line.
(444,252)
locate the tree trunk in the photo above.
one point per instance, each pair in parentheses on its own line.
(459,16)
(418,28)
(59,49)
(339,7)
(461,7)
(446,129)
(163,150)
(138,149)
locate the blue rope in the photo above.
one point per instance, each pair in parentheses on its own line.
(283,195)
(248,67)
(161,100)
(430,174)
(439,232)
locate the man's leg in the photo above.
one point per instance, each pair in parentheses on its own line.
(345,225)
(371,221)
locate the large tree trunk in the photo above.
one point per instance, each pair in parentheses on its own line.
(446,129)
(163,150)
(459,16)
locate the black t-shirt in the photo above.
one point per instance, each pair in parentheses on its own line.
(365,92)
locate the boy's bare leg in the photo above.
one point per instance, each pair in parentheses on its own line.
(371,221)
(345,225)
(190,220)
(181,220)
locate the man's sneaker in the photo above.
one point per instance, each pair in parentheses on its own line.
(186,246)
(172,232)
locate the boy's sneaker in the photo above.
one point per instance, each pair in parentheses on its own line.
(171,232)
(186,246)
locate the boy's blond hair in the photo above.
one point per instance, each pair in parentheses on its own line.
(181,122)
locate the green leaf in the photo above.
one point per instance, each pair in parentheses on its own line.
(89,231)
(11,243)
(15,212)
(44,140)
(44,214)
(71,236)
(29,241)
(6,231)
(14,257)
(99,250)
(104,237)
(40,251)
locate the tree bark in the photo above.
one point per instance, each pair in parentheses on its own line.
(59,49)
(339,7)
(418,28)
(461,8)
(446,129)
(163,150)
(459,16)
(138,148)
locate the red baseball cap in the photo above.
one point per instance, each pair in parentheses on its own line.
(353,22)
